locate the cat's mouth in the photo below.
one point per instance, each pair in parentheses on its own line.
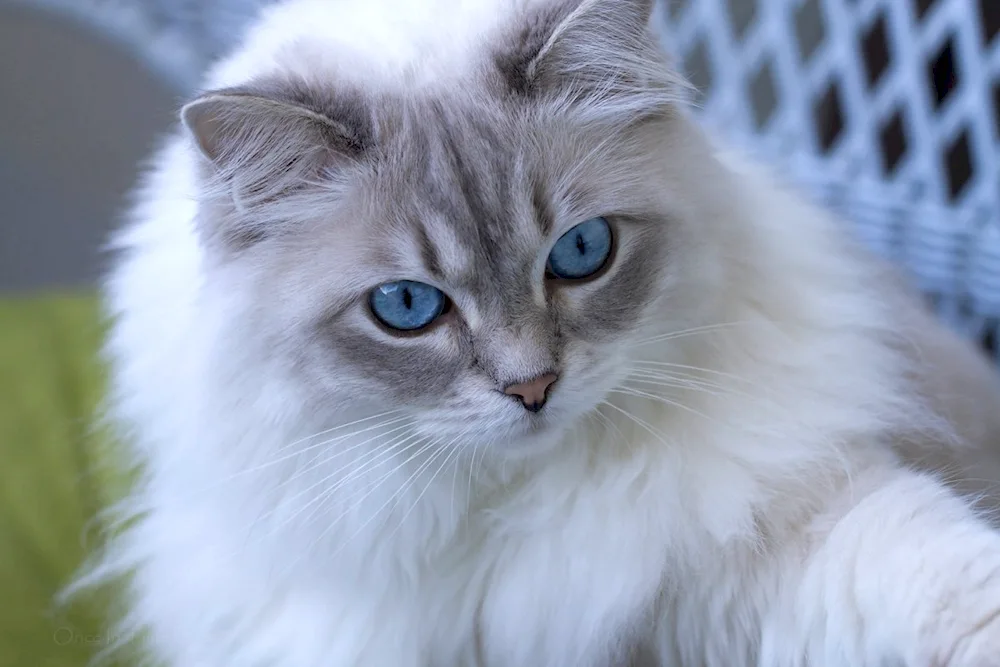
(522,433)
(529,423)
(502,425)
(531,428)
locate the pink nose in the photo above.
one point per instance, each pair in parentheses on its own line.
(533,393)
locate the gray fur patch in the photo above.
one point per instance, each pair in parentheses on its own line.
(428,252)
(417,377)
(616,308)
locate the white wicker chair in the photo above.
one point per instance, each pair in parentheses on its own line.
(887,110)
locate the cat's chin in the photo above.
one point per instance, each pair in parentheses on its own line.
(536,434)
(519,438)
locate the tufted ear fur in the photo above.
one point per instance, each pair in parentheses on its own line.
(591,52)
(264,145)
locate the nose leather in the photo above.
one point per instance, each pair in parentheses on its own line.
(534,392)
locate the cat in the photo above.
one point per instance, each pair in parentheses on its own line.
(443,336)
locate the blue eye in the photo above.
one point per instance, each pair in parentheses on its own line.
(582,251)
(406,305)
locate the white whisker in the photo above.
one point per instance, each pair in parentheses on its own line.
(700,369)
(631,391)
(336,521)
(394,498)
(764,401)
(453,450)
(707,328)
(652,431)
(357,469)
(338,427)
(403,486)
(286,457)
(676,383)
(683,380)
(317,462)
(611,423)
(468,490)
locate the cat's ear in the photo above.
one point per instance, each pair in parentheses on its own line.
(262,148)
(600,51)
(235,125)
(247,130)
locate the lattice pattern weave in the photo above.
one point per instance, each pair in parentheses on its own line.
(887,110)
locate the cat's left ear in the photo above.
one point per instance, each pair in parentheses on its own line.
(265,130)
(264,147)
(602,51)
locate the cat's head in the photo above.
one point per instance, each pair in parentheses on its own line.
(481,251)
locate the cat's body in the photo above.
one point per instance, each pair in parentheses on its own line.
(718,476)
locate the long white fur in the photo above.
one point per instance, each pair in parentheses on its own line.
(766,524)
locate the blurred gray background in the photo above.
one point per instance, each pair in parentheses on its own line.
(78,114)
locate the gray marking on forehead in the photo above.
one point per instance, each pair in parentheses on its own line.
(542,207)
(479,159)
(469,179)
(428,251)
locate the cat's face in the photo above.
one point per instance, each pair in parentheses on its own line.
(482,259)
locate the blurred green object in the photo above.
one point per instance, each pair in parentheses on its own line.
(55,477)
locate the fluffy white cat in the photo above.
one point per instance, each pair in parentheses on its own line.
(443,337)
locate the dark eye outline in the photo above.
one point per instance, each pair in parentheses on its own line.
(444,309)
(600,271)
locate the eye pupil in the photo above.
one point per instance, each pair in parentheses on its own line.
(581,245)
(407,298)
